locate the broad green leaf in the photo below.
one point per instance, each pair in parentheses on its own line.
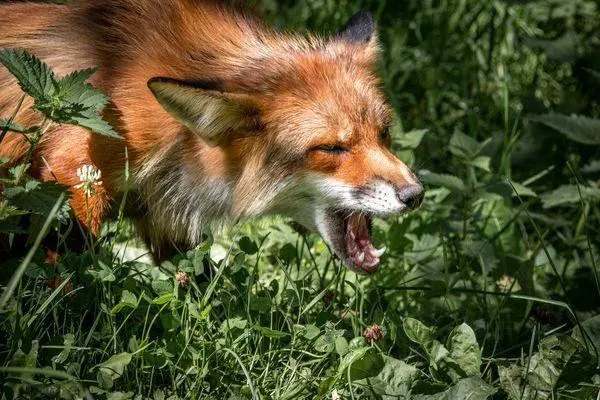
(522,190)
(128,300)
(248,246)
(34,76)
(592,167)
(119,396)
(68,340)
(562,49)
(115,365)
(417,331)
(560,357)
(260,303)
(464,146)
(410,140)
(591,326)
(309,332)
(361,363)
(326,342)
(483,252)
(451,182)
(481,162)
(464,349)
(569,194)
(270,333)
(472,388)
(233,323)
(341,346)
(395,379)
(577,128)
(511,381)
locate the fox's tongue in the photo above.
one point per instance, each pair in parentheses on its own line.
(358,244)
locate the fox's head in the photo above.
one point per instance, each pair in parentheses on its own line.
(304,131)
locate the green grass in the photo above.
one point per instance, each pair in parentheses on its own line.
(491,290)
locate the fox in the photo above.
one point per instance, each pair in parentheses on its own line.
(222,118)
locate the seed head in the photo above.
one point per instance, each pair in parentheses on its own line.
(182,278)
(373,333)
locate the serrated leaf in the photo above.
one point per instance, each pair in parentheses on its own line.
(580,129)
(13,127)
(38,197)
(451,182)
(569,194)
(464,146)
(34,76)
(69,100)
(94,124)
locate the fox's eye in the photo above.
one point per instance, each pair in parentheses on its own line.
(331,149)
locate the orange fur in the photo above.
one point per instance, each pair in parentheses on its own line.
(299,93)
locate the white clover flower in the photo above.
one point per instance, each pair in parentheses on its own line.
(89,176)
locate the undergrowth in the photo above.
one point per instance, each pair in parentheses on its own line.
(490,290)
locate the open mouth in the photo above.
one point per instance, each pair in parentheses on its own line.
(350,236)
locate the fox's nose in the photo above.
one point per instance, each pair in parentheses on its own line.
(411,195)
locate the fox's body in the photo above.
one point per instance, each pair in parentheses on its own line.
(222,117)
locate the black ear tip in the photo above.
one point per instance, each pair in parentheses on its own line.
(359,28)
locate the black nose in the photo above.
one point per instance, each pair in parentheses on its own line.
(411,195)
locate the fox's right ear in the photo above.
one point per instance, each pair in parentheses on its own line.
(204,109)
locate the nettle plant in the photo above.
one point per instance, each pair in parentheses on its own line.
(28,204)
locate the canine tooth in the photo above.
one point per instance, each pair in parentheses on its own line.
(361,257)
(379,253)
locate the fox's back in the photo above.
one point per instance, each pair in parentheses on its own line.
(129,42)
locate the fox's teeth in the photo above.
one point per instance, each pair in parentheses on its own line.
(361,257)
(378,253)
(374,262)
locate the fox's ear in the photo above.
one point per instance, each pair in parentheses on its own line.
(204,108)
(360,28)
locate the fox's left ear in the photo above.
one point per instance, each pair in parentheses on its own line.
(360,31)
(205,108)
(360,28)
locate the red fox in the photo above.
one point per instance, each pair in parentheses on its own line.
(222,117)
